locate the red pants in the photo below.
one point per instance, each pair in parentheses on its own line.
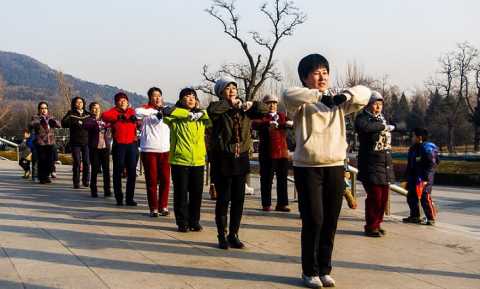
(157,173)
(375,205)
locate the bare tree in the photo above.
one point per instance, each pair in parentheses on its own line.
(64,96)
(5,108)
(283,16)
(475,113)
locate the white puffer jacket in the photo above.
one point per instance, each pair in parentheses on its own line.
(155,135)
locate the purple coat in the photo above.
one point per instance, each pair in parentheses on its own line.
(93,126)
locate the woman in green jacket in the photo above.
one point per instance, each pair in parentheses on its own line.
(187,158)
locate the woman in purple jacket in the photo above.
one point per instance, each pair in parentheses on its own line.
(99,149)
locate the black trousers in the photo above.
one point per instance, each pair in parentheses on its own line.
(230,191)
(80,155)
(100,158)
(187,194)
(269,168)
(320,191)
(45,161)
(124,156)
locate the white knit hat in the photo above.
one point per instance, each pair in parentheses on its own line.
(270,98)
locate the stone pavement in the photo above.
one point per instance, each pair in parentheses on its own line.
(52,236)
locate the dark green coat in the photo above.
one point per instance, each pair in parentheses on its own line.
(222,115)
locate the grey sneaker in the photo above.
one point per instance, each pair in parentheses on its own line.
(312,282)
(327,281)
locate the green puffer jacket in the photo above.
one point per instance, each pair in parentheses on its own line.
(187,138)
(222,115)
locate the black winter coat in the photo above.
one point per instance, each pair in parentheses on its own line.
(374,156)
(75,121)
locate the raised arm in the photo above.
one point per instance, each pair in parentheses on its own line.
(217,108)
(362,124)
(357,98)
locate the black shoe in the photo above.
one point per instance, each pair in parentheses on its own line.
(183,229)
(131,203)
(154,214)
(196,228)
(375,233)
(76,186)
(382,231)
(222,242)
(412,220)
(120,203)
(235,242)
(86,185)
(94,194)
(48,181)
(164,212)
(429,222)
(107,194)
(284,209)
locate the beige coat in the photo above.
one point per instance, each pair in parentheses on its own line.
(320,131)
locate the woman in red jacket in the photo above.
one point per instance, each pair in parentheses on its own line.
(123,123)
(273,154)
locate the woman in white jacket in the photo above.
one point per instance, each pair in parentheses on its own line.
(318,160)
(155,147)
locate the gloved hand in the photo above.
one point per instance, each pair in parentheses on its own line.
(289,123)
(237,103)
(273,124)
(52,123)
(339,99)
(159,115)
(133,118)
(121,117)
(194,116)
(247,105)
(390,127)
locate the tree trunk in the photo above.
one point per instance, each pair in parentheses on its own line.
(450,138)
(476,142)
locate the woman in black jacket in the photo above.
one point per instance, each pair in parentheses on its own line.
(374,162)
(74,120)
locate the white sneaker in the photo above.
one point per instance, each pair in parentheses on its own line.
(249,190)
(327,281)
(312,282)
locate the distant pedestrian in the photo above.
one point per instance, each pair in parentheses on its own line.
(423,159)
(25,154)
(44,125)
(123,123)
(230,144)
(154,147)
(74,120)
(273,154)
(318,161)
(99,149)
(187,124)
(375,162)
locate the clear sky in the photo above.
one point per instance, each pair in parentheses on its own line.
(138,44)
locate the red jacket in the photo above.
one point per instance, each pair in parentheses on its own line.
(273,141)
(123,131)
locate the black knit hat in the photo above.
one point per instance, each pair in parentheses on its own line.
(309,63)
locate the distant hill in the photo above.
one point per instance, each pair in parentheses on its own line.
(30,80)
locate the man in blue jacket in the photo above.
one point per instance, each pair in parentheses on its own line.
(423,159)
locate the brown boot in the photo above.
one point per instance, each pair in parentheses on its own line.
(213,192)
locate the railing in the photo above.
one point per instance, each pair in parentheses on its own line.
(354,171)
(12,144)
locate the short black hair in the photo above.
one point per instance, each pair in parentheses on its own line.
(40,104)
(309,63)
(421,132)
(187,91)
(152,90)
(92,104)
